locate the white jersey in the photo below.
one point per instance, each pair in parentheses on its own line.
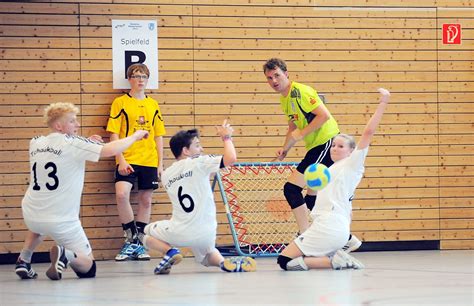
(187,184)
(336,197)
(57,165)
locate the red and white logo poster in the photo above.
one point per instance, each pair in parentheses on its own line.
(451,34)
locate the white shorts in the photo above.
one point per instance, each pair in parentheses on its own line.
(325,236)
(200,246)
(69,234)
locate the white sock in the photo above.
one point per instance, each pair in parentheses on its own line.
(297,264)
(70,255)
(26,255)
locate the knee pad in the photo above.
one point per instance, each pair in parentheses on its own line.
(283,261)
(293,195)
(310,201)
(88,274)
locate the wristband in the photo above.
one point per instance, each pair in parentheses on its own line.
(226,137)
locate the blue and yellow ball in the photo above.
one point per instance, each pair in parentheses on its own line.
(317,176)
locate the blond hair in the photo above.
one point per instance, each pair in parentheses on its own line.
(57,110)
(349,140)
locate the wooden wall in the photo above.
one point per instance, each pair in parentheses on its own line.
(419,178)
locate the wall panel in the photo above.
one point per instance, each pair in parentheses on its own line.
(420,169)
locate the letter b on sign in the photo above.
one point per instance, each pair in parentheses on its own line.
(133,57)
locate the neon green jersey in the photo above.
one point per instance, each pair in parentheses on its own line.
(128,115)
(298,105)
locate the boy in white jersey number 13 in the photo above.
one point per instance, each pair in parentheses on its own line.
(52,202)
(193,222)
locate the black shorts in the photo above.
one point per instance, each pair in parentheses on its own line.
(147,177)
(319,154)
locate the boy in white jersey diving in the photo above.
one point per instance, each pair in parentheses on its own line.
(321,245)
(193,222)
(52,202)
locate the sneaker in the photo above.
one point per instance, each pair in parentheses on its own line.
(140,253)
(352,244)
(24,270)
(341,260)
(59,262)
(127,251)
(239,264)
(172,257)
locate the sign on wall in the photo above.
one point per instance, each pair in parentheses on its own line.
(134,41)
(451,34)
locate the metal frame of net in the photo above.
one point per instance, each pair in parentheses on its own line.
(260,219)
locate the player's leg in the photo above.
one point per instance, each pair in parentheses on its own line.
(206,253)
(73,249)
(211,259)
(123,187)
(315,155)
(292,259)
(294,187)
(155,238)
(311,249)
(142,220)
(23,264)
(293,193)
(147,183)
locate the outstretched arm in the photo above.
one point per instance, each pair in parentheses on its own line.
(225,131)
(374,121)
(118,146)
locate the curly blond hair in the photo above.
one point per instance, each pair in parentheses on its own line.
(56,110)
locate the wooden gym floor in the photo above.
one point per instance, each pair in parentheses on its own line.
(391,278)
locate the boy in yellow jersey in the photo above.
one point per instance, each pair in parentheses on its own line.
(141,163)
(308,120)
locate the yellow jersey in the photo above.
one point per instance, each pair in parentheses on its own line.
(298,107)
(128,115)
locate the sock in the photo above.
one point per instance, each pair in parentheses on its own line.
(140,226)
(297,264)
(26,255)
(140,231)
(70,255)
(130,230)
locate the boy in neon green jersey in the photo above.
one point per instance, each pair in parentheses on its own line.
(308,120)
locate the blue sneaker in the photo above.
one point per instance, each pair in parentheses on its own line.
(239,264)
(127,251)
(172,257)
(140,253)
(59,262)
(24,270)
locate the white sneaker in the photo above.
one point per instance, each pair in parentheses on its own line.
(341,260)
(297,264)
(352,244)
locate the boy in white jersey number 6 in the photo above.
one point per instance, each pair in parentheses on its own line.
(193,222)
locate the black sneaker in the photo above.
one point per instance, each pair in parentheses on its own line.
(24,270)
(59,262)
